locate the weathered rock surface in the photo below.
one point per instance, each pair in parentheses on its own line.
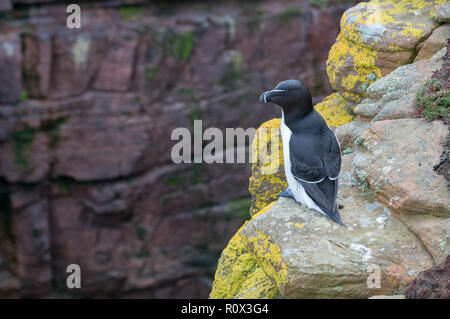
(348,133)
(434,232)
(306,255)
(398,164)
(393,96)
(436,41)
(441,13)
(10,62)
(433,283)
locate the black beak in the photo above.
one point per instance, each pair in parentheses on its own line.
(267,96)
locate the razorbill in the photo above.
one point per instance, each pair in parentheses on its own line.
(312,155)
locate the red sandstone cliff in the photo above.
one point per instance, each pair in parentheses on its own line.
(85,123)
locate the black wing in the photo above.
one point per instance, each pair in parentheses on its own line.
(324,195)
(315,156)
(316,163)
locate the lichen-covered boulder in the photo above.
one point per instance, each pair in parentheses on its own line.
(289,251)
(239,275)
(268,178)
(376,37)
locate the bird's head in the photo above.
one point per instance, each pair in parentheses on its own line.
(291,95)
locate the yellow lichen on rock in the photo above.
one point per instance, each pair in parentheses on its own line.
(334,110)
(242,274)
(235,265)
(268,256)
(258,286)
(268,179)
(352,77)
(376,37)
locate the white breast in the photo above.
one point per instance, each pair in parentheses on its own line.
(297,189)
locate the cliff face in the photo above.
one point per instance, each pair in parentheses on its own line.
(394,196)
(85,122)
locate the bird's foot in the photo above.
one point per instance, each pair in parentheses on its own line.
(287,193)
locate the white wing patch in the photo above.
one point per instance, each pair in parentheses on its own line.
(314,182)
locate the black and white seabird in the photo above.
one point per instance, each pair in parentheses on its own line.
(312,155)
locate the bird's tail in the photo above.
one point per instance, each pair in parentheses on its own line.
(335,216)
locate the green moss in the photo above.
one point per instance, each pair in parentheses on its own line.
(189,92)
(197,176)
(174,181)
(150,74)
(232,76)
(130,13)
(347,151)
(22,140)
(192,105)
(64,184)
(51,127)
(433,100)
(235,71)
(23,96)
(166,8)
(143,253)
(181,45)
(203,257)
(322,4)
(287,14)
(195,113)
(35,233)
(361,181)
(140,233)
(145,29)
(255,18)
(240,208)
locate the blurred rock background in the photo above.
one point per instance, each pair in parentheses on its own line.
(85,122)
